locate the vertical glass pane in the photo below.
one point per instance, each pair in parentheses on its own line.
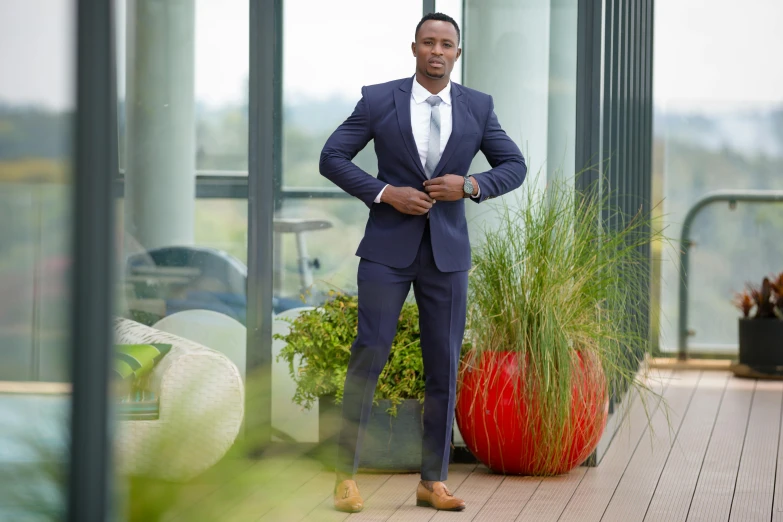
(454,8)
(316,236)
(36,119)
(183,68)
(183,120)
(524,55)
(718,125)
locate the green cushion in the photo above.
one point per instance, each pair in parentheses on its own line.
(134,361)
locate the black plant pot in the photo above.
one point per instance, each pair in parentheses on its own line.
(761,347)
(391,444)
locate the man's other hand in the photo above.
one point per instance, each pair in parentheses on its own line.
(407,200)
(445,188)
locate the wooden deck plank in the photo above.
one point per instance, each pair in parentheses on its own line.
(672,498)
(753,494)
(711,501)
(210,481)
(301,503)
(250,496)
(475,491)
(637,485)
(594,492)
(387,500)
(777,503)
(223,493)
(509,499)
(407,511)
(368,484)
(722,464)
(552,496)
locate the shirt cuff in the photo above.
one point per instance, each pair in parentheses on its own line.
(478,192)
(378,197)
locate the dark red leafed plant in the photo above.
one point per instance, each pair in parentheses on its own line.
(762,302)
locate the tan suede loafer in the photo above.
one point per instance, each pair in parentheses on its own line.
(347,498)
(439,498)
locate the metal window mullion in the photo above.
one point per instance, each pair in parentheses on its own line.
(594,130)
(90,477)
(638,174)
(648,97)
(638,105)
(609,159)
(616,105)
(263,165)
(588,93)
(625,133)
(646,105)
(634,115)
(621,107)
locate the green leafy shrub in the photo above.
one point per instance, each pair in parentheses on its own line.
(318,348)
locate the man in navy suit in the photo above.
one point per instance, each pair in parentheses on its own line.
(426,131)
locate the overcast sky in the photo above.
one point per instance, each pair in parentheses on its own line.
(708,53)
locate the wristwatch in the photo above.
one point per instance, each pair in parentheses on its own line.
(467,186)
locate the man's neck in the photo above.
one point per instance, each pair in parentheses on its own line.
(434,86)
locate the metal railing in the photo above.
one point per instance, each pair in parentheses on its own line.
(719,196)
(229,184)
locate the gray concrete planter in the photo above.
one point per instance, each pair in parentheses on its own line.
(391,444)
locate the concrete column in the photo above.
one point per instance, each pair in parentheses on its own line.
(160,139)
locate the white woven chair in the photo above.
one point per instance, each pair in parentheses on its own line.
(202,401)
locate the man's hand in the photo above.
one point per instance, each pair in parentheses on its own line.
(446,188)
(407,200)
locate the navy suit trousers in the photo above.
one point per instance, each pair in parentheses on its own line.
(441,298)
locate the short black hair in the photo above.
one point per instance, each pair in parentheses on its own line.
(440,17)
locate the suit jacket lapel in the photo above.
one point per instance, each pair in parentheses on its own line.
(458,114)
(402,102)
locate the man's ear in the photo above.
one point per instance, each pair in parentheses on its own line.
(459,53)
(413,48)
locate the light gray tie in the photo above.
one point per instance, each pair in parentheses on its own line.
(433,149)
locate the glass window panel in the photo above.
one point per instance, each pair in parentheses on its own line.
(717,127)
(524,55)
(36,128)
(330,50)
(454,8)
(182,269)
(319,95)
(185,115)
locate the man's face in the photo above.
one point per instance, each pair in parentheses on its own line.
(436,49)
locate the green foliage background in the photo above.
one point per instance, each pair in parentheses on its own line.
(318,348)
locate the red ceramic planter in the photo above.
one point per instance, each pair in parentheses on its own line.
(502,424)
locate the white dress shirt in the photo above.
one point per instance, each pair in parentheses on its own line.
(421,113)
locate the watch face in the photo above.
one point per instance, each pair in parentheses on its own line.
(468,186)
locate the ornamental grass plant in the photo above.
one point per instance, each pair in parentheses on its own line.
(561,277)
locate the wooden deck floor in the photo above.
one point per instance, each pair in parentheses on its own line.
(712,455)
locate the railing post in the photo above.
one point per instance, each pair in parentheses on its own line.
(726,196)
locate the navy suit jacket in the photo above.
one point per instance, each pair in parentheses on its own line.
(383,114)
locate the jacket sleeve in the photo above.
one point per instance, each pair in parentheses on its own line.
(508,165)
(342,146)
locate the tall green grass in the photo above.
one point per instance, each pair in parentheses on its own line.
(558,275)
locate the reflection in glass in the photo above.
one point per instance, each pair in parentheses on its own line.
(185,108)
(318,95)
(182,272)
(36,119)
(524,55)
